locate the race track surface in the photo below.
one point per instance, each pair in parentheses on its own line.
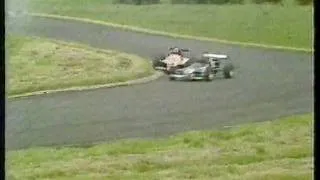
(268,84)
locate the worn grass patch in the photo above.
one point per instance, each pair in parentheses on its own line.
(36,64)
(288,25)
(280,149)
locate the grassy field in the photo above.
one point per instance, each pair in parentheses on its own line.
(280,149)
(37,64)
(287,25)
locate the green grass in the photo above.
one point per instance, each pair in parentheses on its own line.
(288,25)
(280,149)
(39,64)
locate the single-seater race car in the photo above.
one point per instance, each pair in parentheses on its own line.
(205,68)
(176,58)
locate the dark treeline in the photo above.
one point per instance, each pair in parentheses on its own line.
(136,2)
(146,2)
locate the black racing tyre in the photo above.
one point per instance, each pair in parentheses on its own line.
(228,71)
(156,61)
(160,57)
(209,76)
(172,70)
(180,66)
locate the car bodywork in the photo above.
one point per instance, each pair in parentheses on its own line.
(170,62)
(206,68)
(196,71)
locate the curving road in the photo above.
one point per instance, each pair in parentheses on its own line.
(269,84)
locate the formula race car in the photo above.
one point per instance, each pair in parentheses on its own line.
(176,58)
(205,68)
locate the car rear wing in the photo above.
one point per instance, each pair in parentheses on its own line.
(215,56)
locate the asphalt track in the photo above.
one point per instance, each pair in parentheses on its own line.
(268,84)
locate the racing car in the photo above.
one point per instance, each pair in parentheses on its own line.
(206,68)
(176,58)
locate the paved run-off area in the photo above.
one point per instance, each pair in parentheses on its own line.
(268,84)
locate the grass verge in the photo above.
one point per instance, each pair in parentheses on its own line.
(280,149)
(37,64)
(287,25)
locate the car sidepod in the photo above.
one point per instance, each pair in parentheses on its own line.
(179,74)
(203,74)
